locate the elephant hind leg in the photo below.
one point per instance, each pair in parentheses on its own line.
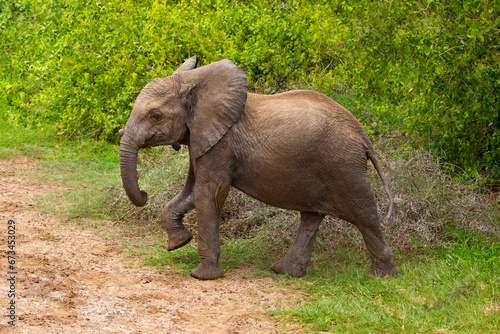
(381,259)
(295,262)
(366,220)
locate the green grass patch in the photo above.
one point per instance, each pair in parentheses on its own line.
(455,291)
(236,256)
(82,169)
(183,260)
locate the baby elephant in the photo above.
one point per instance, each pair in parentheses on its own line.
(298,150)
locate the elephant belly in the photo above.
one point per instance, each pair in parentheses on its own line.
(287,189)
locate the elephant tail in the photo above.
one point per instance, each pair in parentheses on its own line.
(389,217)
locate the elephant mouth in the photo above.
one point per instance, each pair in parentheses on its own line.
(147,144)
(156,140)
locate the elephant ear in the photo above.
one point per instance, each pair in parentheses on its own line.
(218,94)
(188,65)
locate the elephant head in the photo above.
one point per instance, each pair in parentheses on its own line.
(193,106)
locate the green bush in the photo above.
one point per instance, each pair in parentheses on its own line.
(427,69)
(438,63)
(80,65)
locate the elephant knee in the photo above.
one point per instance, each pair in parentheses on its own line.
(166,212)
(170,217)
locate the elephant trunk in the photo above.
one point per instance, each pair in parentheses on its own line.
(128,168)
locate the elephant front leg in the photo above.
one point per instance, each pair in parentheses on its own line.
(209,201)
(172,215)
(174,211)
(295,262)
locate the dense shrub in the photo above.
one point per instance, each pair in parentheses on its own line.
(438,62)
(428,69)
(80,64)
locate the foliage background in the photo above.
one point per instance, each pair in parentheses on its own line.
(428,70)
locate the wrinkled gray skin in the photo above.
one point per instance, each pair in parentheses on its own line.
(297,150)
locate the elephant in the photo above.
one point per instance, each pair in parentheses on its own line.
(297,150)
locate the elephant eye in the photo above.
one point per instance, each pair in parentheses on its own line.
(155,116)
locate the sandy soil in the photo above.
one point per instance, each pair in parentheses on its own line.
(70,280)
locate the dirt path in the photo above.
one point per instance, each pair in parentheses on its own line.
(71,281)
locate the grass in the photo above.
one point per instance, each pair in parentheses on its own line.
(84,170)
(455,291)
(445,238)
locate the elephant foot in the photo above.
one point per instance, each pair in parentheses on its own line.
(294,269)
(206,272)
(384,271)
(179,239)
